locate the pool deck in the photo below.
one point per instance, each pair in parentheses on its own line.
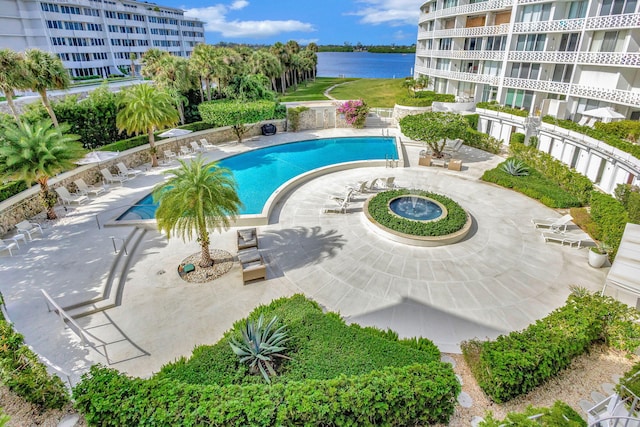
(500,278)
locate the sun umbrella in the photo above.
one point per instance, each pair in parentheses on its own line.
(174,132)
(607,114)
(97,157)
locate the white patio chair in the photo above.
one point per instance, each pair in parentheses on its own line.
(169,155)
(553,223)
(110,178)
(126,172)
(68,198)
(337,207)
(195,147)
(184,151)
(205,144)
(7,246)
(347,196)
(88,190)
(29,228)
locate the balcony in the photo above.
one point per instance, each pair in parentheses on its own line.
(618,96)
(473,31)
(552,57)
(489,55)
(610,58)
(536,85)
(549,26)
(422,34)
(629,20)
(457,75)
(468,9)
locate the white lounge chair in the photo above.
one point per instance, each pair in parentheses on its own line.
(583,121)
(389,183)
(185,151)
(88,190)
(205,144)
(7,246)
(376,184)
(553,223)
(337,207)
(195,147)
(169,155)
(29,228)
(347,196)
(361,187)
(68,198)
(110,178)
(126,172)
(562,238)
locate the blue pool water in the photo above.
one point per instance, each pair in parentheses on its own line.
(260,172)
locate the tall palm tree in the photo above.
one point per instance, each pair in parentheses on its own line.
(175,76)
(264,62)
(202,60)
(36,152)
(150,61)
(197,198)
(145,108)
(226,64)
(45,71)
(281,52)
(13,75)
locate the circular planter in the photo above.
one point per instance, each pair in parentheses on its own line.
(596,259)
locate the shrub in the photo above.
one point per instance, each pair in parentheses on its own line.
(517,138)
(424,99)
(355,112)
(24,374)
(482,141)
(379,210)
(629,196)
(236,114)
(533,185)
(410,395)
(12,188)
(293,117)
(611,218)
(582,218)
(126,144)
(515,167)
(559,415)
(515,364)
(493,105)
(473,120)
(624,129)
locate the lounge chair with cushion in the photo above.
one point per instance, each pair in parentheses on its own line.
(87,190)
(126,172)
(253,270)
(336,207)
(247,238)
(110,178)
(68,198)
(7,246)
(205,144)
(559,224)
(29,228)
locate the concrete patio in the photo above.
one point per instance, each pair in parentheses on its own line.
(500,278)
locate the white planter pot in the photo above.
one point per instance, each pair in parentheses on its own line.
(597,260)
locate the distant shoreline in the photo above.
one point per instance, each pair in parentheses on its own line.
(369,49)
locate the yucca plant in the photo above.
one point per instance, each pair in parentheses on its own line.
(260,346)
(515,167)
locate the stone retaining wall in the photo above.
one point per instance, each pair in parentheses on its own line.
(27,204)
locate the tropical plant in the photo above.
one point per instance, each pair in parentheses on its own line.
(145,108)
(198,197)
(36,152)
(260,346)
(151,62)
(13,75)
(355,112)
(202,61)
(236,114)
(45,71)
(264,62)
(515,167)
(434,129)
(176,77)
(249,87)
(293,117)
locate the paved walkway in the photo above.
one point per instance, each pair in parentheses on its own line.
(500,278)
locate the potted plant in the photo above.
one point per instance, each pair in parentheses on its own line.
(598,255)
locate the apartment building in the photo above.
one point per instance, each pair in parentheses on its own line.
(97,37)
(545,56)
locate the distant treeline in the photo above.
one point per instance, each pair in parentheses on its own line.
(361,48)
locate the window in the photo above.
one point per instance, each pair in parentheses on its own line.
(535,13)
(71,10)
(113,28)
(616,7)
(445,44)
(54,24)
(569,42)
(496,43)
(58,41)
(48,7)
(473,43)
(531,42)
(609,42)
(138,18)
(443,64)
(64,56)
(94,27)
(577,9)
(78,26)
(492,68)
(562,73)
(519,98)
(525,70)
(91,12)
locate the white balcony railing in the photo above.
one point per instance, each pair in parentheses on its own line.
(473,31)
(536,85)
(548,26)
(612,95)
(457,75)
(609,58)
(489,55)
(467,9)
(553,57)
(628,20)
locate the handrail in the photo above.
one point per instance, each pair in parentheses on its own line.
(616,419)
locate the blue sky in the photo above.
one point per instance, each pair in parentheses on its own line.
(319,21)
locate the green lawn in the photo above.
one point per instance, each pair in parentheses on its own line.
(381,93)
(313,91)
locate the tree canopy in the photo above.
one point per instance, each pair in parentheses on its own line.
(434,128)
(236,113)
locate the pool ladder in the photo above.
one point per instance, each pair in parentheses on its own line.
(390,162)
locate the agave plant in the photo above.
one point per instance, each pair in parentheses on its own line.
(260,346)
(515,167)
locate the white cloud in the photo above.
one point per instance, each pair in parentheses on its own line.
(215,19)
(305,42)
(391,12)
(401,35)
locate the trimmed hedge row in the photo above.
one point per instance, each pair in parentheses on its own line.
(12,188)
(24,374)
(454,221)
(572,182)
(417,394)
(425,99)
(482,141)
(493,105)
(533,185)
(515,364)
(611,218)
(559,415)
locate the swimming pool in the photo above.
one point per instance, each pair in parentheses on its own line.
(259,173)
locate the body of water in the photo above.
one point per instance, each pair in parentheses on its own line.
(260,172)
(366,65)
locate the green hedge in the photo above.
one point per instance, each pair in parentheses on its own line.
(604,135)
(12,188)
(559,415)
(515,364)
(569,180)
(25,375)
(454,221)
(482,141)
(493,105)
(424,99)
(126,144)
(533,185)
(517,138)
(412,395)
(610,218)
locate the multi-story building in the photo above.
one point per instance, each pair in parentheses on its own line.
(97,37)
(545,56)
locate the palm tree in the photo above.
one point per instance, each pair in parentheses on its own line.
(36,152)
(264,62)
(150,61)
(280,52)
(175,76)
(198,197)
(145,108)
(202,60)
(13,75)
(45,71)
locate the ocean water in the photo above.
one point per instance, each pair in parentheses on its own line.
(366,65)
(260,172)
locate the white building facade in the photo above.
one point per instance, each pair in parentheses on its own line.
(545,56)
(97,37)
